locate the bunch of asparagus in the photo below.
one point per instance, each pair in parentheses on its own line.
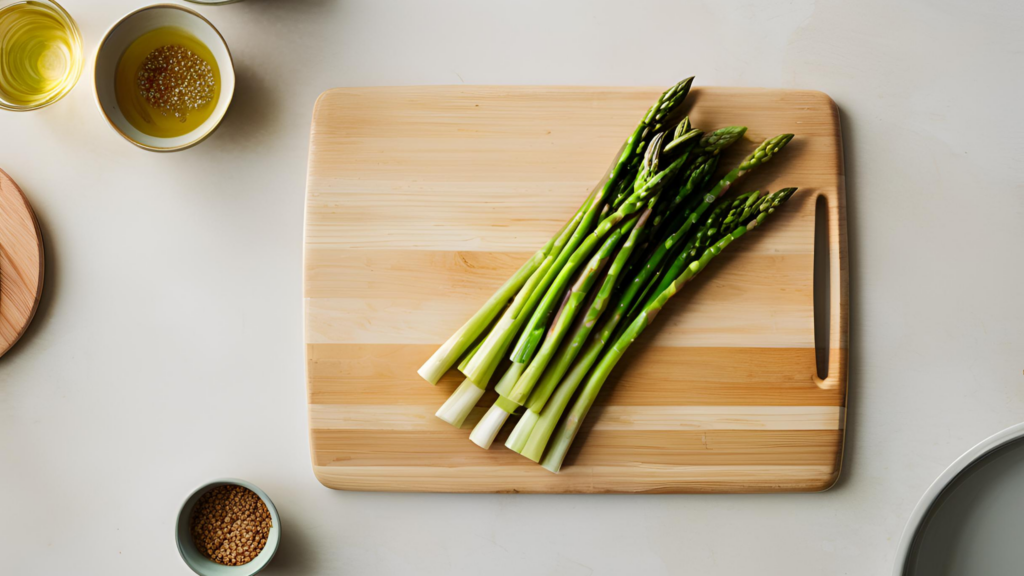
(571,311)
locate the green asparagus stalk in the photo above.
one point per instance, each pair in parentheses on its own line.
(649,165)
(567,314)
(571,425)
(456,409)
(537,326)
(484,432)
(696,178)
(765,152)
(668,105)
(493,347)
(663,107)
(642,280)
(485,429)
(569,349)
(631,241)
(657,152)
(709,147)
(649,193)
(680,135)
(458,343)
(550,412)
(671,99)
(509,378)
(516,369)
(469,355)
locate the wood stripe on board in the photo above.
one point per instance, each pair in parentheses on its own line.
(646,376)
(600,448)
(582,479)
(613,417)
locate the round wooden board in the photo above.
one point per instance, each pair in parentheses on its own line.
(21,263)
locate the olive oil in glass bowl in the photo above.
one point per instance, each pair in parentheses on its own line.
(40,54)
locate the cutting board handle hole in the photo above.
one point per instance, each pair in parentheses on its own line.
(822,287)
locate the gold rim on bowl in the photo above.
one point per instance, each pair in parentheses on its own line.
(96,93)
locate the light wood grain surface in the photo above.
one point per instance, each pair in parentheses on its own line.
(21,263)
(421,200)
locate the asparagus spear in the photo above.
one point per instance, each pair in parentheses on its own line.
(570,427)
(664,106)
(707,151)
(458,343)
(526,376)
(765,152)
(464,398)
(658,148)
(648,192)
(443,359)
(567,353)
(485,431)
(491,349)
(671,99)
(543,417)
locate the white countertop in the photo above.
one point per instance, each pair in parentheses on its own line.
(168,347)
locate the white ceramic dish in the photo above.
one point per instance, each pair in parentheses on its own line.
(127,30)
(970,520)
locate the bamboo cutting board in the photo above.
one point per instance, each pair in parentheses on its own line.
(421,201)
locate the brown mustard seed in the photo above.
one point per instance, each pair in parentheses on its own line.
(176,80)
(230,525)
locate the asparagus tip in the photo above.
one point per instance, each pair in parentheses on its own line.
(765,151)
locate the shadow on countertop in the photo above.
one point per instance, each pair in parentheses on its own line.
(295,555)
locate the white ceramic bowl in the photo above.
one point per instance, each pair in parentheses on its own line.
(120,37)
(970,520)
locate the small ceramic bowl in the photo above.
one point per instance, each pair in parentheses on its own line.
(120,37)
(204,566)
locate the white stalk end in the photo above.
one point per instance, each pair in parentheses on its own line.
(444,357)
(485,431)
(521,433)
(429,372)
(458,406)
